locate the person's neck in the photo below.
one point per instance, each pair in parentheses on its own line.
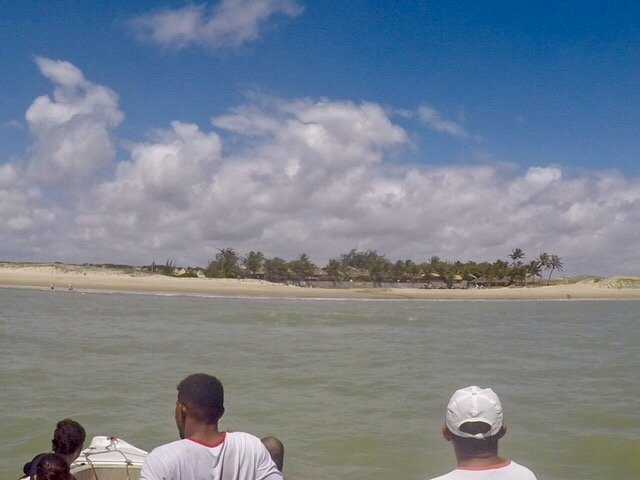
(480,460)
(70,457)
(204,433)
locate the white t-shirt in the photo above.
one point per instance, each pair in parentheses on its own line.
(506,471)
(239,456)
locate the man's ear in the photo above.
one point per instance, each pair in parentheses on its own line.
(502,432)
(446,433)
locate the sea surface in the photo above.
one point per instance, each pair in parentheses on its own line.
(355,389)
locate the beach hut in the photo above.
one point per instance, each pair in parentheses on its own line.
(435,280)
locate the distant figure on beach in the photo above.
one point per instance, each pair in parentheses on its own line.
(68,442)
(70,287)
(53,467)
(276,450)
(473,424)
(205,453)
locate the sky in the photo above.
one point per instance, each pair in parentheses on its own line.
(133,132)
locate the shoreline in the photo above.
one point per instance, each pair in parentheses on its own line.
(96,279)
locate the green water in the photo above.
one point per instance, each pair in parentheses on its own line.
(355,389)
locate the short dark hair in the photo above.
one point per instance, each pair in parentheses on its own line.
(68,437)
(53,466)
(476,446)
(203,395)
(276,450)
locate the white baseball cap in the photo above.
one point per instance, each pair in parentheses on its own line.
(474,404)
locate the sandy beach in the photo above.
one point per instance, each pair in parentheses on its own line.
(103,279)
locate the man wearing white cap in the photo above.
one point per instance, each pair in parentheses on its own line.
(473,424)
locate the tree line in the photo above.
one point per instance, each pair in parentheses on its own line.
(371,266)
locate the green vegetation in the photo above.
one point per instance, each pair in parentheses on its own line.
(167,269)
(623,282)
(170,269)
(226,265)
(371,266)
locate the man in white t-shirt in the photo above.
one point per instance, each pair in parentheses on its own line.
(204,453)
(473,424)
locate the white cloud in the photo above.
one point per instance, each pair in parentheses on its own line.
(432,118)
(61,73)
(14,124)
(29,221)
(9,175)
(303,175)
(231,23)
(71,130)
(169,171)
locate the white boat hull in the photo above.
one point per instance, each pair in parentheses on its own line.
(109,458)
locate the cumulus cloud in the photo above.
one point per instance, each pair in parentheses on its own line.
(168,169)
(230,23)
(9,175)
(71,129)
(432,118)
(152,198)
(28,219)
(287,176)
(311,175)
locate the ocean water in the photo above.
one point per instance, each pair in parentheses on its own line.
(355,389)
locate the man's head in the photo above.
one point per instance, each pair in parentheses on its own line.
(473,421)
(276,450)
(200,398)
(68,438)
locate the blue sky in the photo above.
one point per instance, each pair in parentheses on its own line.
(458,129)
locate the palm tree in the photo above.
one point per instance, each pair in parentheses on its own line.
(302,267)
(517,272)
(378,268)
(253,262)
(225,265)
(550,262)
(229,260)
(399,270)
(555,263)
(276,269)
(534,268)
(335,270)
(516,255)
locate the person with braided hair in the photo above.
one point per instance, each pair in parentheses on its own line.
(53,466)
(68,442)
